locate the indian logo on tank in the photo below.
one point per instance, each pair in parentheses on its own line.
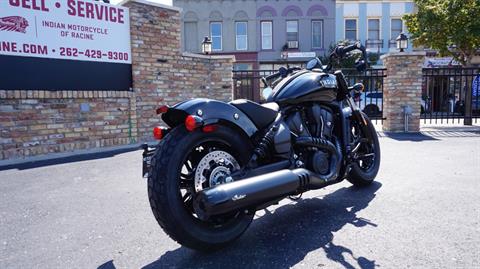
(14,24)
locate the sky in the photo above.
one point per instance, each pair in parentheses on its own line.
(165,2)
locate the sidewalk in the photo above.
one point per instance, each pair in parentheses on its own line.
(456,127)
(427,130)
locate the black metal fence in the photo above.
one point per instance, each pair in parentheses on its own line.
(450,95)
(371,100)
(247,85)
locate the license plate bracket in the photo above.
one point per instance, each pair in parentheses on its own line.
(147,156)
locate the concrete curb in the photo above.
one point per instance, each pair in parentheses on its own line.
(71,156)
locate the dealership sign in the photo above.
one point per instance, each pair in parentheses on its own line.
(64,45)
(310,54)
(72,29)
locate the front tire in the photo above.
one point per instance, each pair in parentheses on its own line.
(364,172)
(173,209)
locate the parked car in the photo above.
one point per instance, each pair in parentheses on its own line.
(371,103)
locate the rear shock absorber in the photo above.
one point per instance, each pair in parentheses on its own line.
(266,143)
(264,146)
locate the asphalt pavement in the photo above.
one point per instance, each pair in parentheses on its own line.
(423,212)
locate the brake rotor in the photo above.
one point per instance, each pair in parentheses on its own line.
(214,169)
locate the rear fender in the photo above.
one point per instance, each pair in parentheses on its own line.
(211,111)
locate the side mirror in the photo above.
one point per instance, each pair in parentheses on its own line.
(283,71)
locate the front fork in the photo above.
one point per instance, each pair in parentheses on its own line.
(352,114)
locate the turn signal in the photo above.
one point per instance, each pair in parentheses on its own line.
(193,122)
(158,133)
(162,109)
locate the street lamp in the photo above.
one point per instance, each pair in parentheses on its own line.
(207,45)
(402,42)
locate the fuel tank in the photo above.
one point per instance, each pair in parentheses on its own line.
(304,87)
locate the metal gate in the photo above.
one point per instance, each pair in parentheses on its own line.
(247,85)
(450,95)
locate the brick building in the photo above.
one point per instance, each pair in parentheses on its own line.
(261,34)
(35,122)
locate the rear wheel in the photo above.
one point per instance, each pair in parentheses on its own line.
(366,157)
(186,163)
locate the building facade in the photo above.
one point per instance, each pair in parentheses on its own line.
(376,23)
(261,34)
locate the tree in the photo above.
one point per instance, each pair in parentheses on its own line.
(450,26)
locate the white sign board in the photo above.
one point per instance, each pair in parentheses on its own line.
(440,62)
(65,29)
(301,55)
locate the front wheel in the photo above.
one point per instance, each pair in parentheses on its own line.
(186,163)
(366,155)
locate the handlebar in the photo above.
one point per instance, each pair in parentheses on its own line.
(273,76)
(282,72)
(341,51)
(338,52)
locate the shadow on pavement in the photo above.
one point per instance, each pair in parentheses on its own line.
(283,239)
(69,159)
(415,137)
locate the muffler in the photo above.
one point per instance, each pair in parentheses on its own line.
(251,192)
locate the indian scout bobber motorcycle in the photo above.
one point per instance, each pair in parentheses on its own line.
(218,163)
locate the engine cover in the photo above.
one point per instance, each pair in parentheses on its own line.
(319,162)
(320,121)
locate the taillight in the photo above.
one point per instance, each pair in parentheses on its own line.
(162,109)
(158,133)
(193,122)
(209,128)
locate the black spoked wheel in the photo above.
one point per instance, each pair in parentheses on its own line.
(366,155)
(185,164)
(209,164)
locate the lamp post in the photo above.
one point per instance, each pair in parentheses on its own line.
(402,42)
(207,46)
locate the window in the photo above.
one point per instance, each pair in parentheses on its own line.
(191,42)
(292,30)
(396,28)
(266,29)
(351,29)
(317,34)
(241,40)
(242,66)
(216,35)
(373,29)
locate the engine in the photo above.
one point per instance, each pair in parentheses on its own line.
(313,121)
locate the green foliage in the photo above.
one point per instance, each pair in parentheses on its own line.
(450,26)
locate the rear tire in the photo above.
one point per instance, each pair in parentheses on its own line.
(168,207)
(360,176)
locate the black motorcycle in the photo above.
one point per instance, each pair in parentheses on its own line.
(219,163)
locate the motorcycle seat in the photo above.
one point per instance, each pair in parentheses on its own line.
(260,115)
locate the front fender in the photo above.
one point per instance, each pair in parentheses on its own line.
(212,111)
